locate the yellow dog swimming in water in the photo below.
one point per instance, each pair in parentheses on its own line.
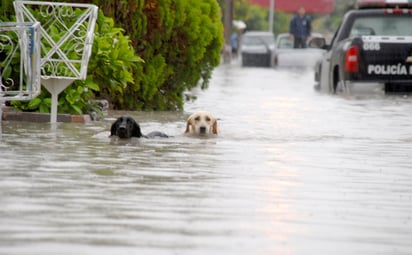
(201,123)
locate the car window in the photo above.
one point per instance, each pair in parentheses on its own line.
(383,25)
(258,40)
(269,40)
(285,43)
(251,40)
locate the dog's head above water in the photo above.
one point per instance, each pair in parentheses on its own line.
(201,123)
(125,127)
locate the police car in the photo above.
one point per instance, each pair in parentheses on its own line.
(372,48)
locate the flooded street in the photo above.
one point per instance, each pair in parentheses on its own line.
(293,172)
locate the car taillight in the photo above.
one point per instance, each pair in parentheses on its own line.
(275,60)
(352,59)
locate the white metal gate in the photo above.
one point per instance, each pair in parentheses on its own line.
(67,31)
(19,43)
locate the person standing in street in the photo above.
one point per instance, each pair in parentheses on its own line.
(300,28)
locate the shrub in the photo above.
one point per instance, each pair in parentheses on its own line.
(113,63)
(180,42)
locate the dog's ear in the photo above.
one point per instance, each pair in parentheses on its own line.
(188,124)
(114,127)
(215,129)
(137,132)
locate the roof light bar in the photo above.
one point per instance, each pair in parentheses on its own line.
(363,4)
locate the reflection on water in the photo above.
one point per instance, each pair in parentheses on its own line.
(293,172)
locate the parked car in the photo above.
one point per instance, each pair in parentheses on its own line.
(285,56)
(370,51)
(256,48)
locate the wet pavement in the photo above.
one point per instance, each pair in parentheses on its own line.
(292,172)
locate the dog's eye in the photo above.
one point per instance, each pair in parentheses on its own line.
(207,119)
(197,118)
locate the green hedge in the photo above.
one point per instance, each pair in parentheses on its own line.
(180,42)
(145,56)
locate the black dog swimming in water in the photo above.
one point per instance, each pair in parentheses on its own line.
(127,127)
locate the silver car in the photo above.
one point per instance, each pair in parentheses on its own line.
(285,56)
(256,48)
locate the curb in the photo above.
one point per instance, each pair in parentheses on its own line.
(11,115)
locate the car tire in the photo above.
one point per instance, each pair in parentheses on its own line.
(335,80)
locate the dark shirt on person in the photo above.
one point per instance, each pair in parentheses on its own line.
(300,28)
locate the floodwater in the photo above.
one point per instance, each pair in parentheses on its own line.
(292,172)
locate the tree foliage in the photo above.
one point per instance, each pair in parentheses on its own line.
(255,16)
(180,42)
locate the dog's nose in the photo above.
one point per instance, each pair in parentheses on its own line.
(202,130)
(122,126)
(122,131)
